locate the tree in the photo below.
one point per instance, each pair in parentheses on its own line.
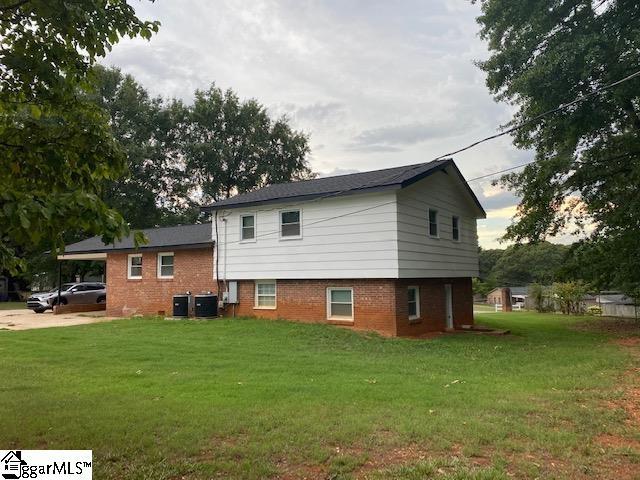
(487,260)
(156,187)
(569,296)
(543,55)
(56,147)
(524,264)
(232,146)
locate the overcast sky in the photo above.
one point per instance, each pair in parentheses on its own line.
(374,83)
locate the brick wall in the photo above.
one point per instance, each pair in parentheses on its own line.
(306,301)
(379,304)
(433,305)
(193,271)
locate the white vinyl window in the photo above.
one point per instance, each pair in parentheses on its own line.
(290,224)
(413,294)
(433,222)
(455,228)
(248,228)
(265,294)
(339,303)
(165,265)
(134,266)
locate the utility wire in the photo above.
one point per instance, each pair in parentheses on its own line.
(468,147)
(534,119)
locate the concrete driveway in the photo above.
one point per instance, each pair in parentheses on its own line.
(26,319)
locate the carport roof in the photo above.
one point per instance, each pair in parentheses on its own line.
(178,237)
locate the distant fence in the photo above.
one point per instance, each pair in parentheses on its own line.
(614,310)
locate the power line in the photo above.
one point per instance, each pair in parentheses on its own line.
(534,119)
(468,147)
(501,171)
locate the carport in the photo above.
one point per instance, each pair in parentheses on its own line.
(92,256)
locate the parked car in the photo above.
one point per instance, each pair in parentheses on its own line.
(70,293)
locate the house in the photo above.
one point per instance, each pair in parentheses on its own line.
(391,250)
(518,295)
(617,304)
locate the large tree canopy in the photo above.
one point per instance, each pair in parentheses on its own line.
(155,190)
(56,147)
(587,170)
(233,146)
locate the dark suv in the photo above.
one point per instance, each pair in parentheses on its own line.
(70,293)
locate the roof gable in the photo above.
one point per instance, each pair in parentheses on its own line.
(377,180)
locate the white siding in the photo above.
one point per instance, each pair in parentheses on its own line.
(421,256)
(357,245)
(379,235)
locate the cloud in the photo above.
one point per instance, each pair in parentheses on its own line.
(409,134)
(375,84)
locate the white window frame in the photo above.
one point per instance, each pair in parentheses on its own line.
(255,227)
(129,265)
(457,218)
(275,295)
(429,210)
(330,315)
(289,237)
(417,289)
(159,264)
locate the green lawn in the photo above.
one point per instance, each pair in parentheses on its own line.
(262,399)
(12,305)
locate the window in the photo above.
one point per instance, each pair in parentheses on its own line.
(265,294)
(134,270)
(433,222)
(290,224)
(248,228)
(165,265)
(414,302)
(340,303)
(455,228)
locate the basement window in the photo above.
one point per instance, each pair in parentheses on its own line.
(265,294)
(248,228)
(413,294)
(433,223)
(290,224)
(134,266)
(340,303)
(455,228)
(165,265)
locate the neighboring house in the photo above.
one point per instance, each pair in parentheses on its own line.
(616,304)
(518,295)
(391,250)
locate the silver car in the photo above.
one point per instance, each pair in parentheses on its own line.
(70,293)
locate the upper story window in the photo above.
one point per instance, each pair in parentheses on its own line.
(455,228)
(134,266)
(414,302)
(433,222)
(248,228)
(290,224)
(165,265)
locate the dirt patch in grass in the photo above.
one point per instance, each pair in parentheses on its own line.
(624,451)
(619,327)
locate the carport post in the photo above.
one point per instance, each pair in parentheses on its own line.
(59,280)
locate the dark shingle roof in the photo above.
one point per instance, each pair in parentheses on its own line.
(164,237)
(387,179)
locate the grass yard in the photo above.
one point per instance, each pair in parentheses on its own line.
(260,399)
(12,305)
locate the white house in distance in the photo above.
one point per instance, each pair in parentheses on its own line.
(390,250)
